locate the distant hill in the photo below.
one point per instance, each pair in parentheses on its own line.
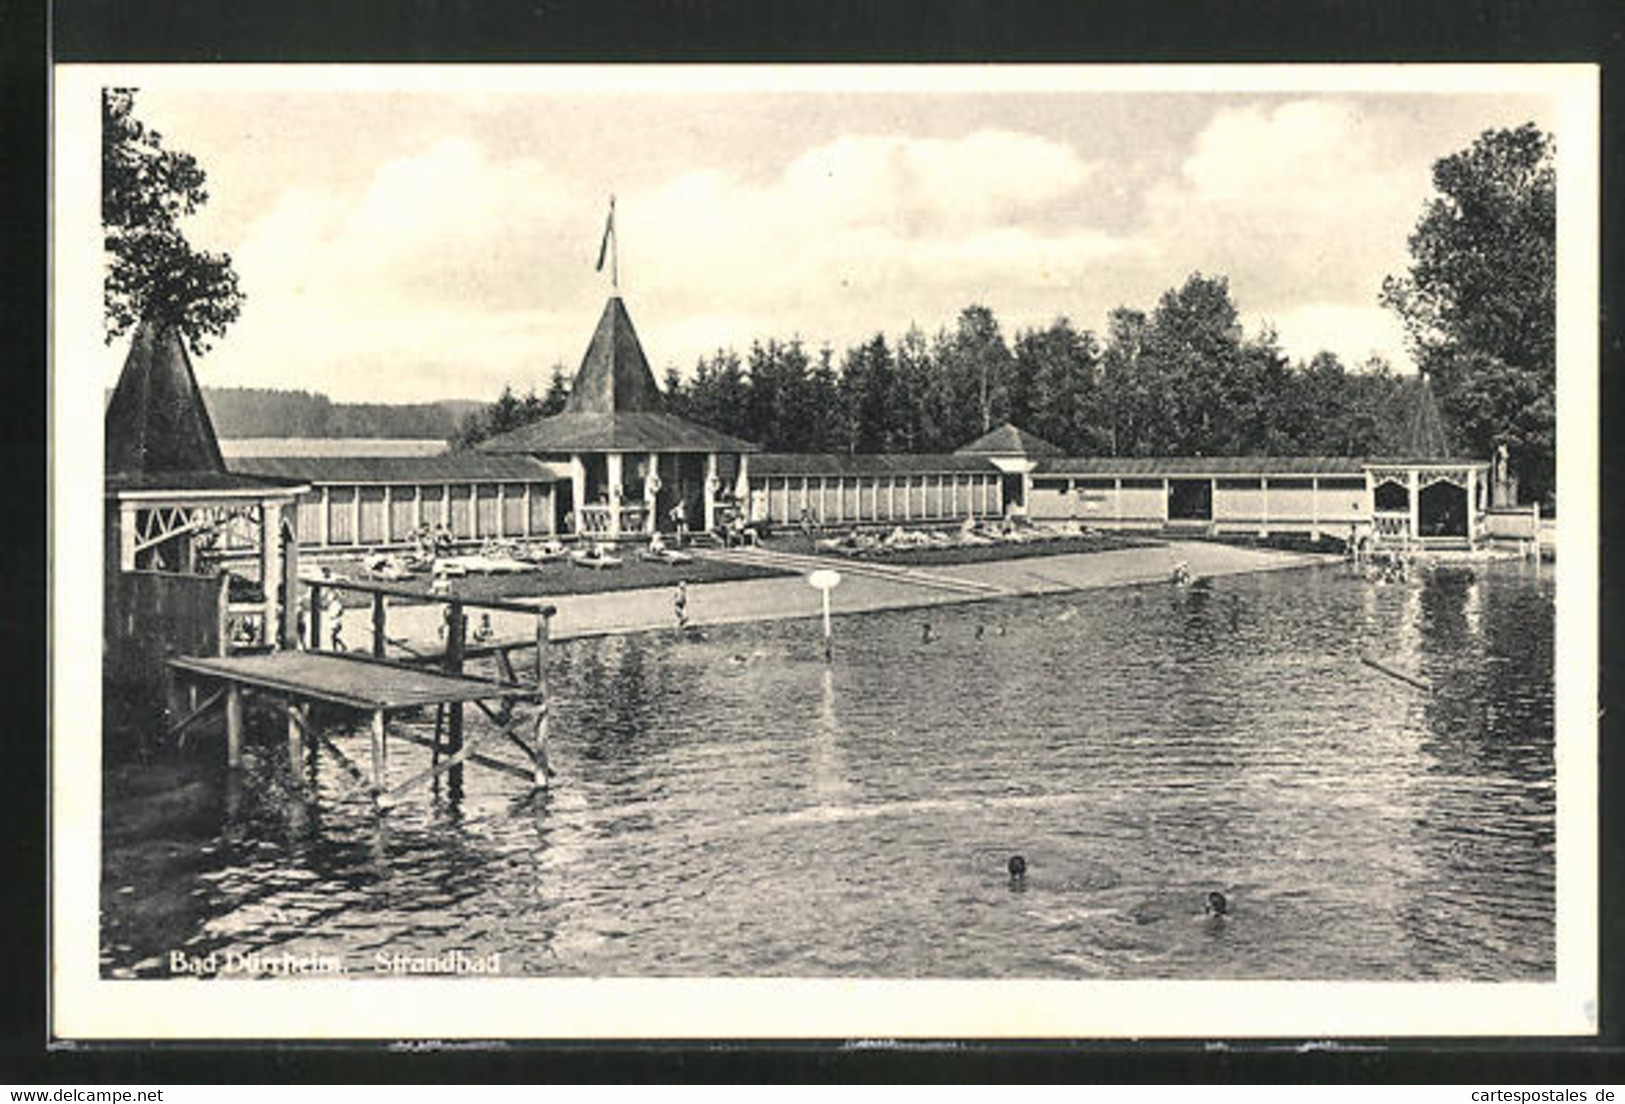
(267,412)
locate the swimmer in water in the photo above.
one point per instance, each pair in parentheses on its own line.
(1216,905)
(926,633)
(1018,869)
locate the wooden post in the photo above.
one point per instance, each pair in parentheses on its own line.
(290,586)
(1264,508)
(327,521)
(454,666)
(315,622)
(651,497)
(378,634)
(355,510)
(1472,506)
(474,511)
(578,491)
(296,738)
(544,630)
(380,753)
(1314,508)
(270,567)
(1416,505)
(612,461)
(389,514)
(710,491)
(417,509)
(502,526)
(234,726)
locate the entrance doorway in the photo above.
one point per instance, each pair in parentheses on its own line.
(1190,500)
(1015,501)
(1441,510)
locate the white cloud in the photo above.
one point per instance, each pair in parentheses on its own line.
(454,270)
(1354,333)
(1303,208)
(853,228)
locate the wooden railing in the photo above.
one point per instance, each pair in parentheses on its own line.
(595,519)
(1391,527)
(458,649)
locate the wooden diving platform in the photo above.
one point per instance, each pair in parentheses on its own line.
(347,678)
(379,687)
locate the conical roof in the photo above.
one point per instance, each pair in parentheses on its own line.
(1009,440)
(614,377)
(1425,438)
(614,405)
(156,421)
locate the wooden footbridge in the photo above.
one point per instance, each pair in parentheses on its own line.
(382,688)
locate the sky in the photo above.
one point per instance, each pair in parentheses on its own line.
(409,246)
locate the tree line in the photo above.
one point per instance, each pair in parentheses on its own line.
(268,412)
(1181,379)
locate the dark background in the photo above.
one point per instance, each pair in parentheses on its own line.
(696,30)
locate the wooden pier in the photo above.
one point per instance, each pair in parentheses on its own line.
(382,687)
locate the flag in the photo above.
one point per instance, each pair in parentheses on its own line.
(609,229)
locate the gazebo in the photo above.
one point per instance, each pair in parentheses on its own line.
(173,511)
(631,462)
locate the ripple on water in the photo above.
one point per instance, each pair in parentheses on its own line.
(780,816)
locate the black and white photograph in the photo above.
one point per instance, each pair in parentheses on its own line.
(601,551)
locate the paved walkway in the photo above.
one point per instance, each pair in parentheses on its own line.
(787,597)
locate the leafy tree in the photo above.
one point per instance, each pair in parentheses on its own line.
(976,366)
(1057,369)
(869,387)
(1126,399)
(1192,357)
(719,394)
(508,412)
(153,272)
(558,392)
(1479,300)
(676,395)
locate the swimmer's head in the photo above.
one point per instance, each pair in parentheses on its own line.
(1017,866)
(1216,904)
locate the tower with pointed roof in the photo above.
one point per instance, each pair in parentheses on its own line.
(166,485)
(632,462)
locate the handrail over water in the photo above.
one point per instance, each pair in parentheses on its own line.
(397,591)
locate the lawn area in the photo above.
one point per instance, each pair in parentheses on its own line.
(976,553)
(566,578)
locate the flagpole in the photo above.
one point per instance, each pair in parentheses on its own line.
(614,250)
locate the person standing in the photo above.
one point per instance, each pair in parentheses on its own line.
(679,605)
(335,623)
(679,518)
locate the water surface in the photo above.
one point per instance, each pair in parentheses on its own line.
(732,805)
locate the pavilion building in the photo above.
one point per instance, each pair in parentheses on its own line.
(615,463)
(630,462)
(174,516)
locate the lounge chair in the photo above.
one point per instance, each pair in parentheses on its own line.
(595,557)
